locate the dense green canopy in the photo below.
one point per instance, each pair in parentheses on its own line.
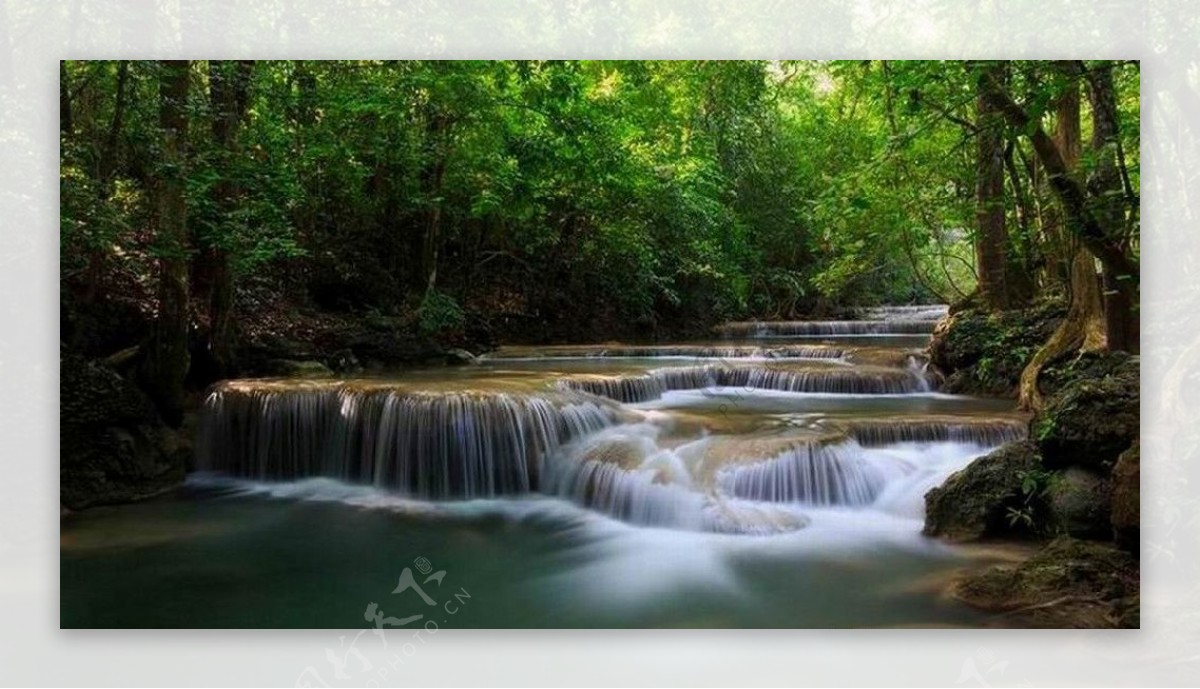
(620,198)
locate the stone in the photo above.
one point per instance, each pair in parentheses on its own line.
(1068,584)
(114,448)
(1079,502)
(1090,421)
(974,502)
(1126,500)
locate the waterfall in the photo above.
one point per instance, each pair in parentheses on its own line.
(823,352)
(812,473)
(651,385)
(766,329)
(984,432)
(425,444)
(914,312)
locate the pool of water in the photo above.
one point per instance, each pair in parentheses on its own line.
(763,504)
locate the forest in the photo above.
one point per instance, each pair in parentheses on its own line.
(529,201)
(718,297)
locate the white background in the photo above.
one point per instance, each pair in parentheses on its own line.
(35,34)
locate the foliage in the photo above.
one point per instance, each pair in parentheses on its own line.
(625,197)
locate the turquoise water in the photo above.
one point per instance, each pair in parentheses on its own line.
(777,517)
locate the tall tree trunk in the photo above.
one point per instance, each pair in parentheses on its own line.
(433,220)
(229,94)
(65,124)
(991,240)
(1083,325)
(1107,191)
(108,155)
(1087,226)
(166,362)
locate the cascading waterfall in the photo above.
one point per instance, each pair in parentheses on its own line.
(425,444)
(914,312)
(812,473)
(652,385)
(768,329)
(646,467)
(985,432)
(823,352)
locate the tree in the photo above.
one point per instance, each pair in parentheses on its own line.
(229,85)
(166,360)
(991,239)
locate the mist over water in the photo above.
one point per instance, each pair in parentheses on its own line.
(615,485)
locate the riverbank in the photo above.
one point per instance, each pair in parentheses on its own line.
(1072,489)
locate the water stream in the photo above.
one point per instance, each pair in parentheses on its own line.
(773,477)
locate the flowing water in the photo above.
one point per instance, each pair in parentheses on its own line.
(773,477)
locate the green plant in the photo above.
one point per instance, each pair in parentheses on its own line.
(1035,484)
(439,314)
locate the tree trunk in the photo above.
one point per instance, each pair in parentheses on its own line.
(166,363)
(228,93)
(64,99)
(1087,226)
(1083,325)
(108,156)
(433,221)
(990,240)
(1108,194)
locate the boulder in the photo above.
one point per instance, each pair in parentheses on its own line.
(974,502)
(1090,421)
(1068,584)
(113,446)
(1126,499)
(289,368)
(981,352)
(344,361)
(1079,502)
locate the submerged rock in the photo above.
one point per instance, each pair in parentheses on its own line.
(974,502)
(1126,499)
(1068,584)
(114,447)
(1091,421)
(1080,504)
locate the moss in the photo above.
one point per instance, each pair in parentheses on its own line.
(1090,420)
(981,352)
(1068,584)
(980,500)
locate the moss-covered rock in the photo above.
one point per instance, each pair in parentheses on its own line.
(1068,584)
(1079,504)
(1091,421)
(113,446)
(981,352)
(1126,499)
(975,502)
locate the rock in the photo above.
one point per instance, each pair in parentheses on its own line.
(1080,504)
(288,368)
(1126,500)
(459,357)
(974,502)
(1090,421)
(980,352)
(113,446)
(344,361)
(1068,584)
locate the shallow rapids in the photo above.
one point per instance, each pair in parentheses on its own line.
(623,472)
